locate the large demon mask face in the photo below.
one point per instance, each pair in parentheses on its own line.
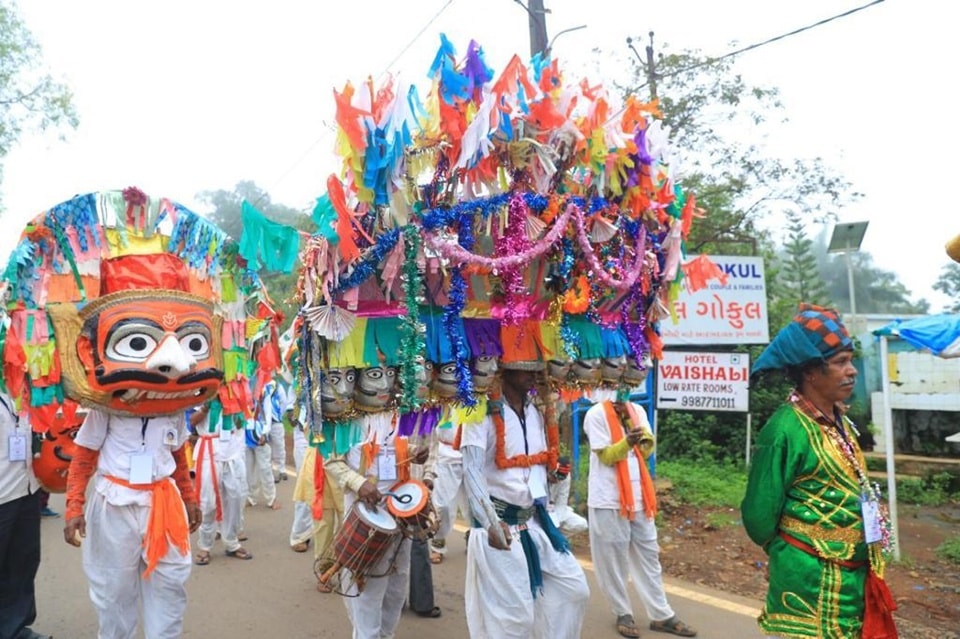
(336,391)
(558,370)
(146,352)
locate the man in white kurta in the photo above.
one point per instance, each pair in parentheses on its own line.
(621,547)
(500,601)
(133,456)
(221,474)
(375,613)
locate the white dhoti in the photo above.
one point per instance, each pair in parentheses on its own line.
(498,600)
(260,476)
(302,528)
(622,548)
(375,613)
(113,561)
(449,495)
(232,485)
(278,450)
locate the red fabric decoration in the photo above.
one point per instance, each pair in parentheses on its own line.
(137,272)
(878,609)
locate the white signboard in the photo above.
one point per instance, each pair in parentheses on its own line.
(730,313)
(703,381)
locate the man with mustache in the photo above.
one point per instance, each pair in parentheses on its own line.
(809,503)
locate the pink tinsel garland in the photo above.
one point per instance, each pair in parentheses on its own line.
(630,276)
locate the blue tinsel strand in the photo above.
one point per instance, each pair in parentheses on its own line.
(451,313)
(367,265)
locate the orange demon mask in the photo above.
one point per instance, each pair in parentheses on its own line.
(144,352)
(50,465)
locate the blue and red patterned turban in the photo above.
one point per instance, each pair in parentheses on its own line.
(816,333)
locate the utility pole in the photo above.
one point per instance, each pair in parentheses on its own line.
(537,17)
(651,69)
(649,65)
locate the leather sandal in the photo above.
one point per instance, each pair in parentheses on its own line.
(202,558)
(674,626)
(240,553)
(627,627)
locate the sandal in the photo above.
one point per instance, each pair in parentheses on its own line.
(627,627)
(240,553)
(436,558)
(674,626)
(300,547)
(433,613)
(202,558)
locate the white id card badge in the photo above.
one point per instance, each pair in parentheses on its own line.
(871,520)
(170,436)
(387,465)
(537,488)
(141,468)
(17,448)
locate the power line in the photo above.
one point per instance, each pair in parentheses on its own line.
(710,61)
(329,128)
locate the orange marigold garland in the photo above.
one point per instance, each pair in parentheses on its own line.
(549,457)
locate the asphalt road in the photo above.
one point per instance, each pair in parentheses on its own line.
(273,595)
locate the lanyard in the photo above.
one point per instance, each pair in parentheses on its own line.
(143,431)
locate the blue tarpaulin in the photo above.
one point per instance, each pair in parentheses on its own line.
(939,334)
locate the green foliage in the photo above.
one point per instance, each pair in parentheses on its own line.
(30,99)
(716,520)
(705,483)
(949,283)
(225,213)
(932,491)
(799,279)
(950,550)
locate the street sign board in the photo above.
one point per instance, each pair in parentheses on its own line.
(703,381)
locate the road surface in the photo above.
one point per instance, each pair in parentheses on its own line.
(273,595)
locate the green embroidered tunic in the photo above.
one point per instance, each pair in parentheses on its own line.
(802,485)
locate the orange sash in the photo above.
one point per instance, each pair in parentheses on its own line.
(647,490)
(167,523)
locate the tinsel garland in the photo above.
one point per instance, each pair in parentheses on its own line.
(629,274)
(451,315)
(458,255)
(367,265)
(634,328)
(463,213)
(513,241)
(412,340)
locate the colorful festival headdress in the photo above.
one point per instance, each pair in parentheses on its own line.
(519,199)
(133,305)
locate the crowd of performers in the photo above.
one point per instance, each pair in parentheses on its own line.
(489,255)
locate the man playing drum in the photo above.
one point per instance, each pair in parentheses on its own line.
(367,471)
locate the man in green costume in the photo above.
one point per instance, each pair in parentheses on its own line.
(809,503)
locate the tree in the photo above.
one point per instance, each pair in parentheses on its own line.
(225,213)
(30,99)
(949,284)
(875,290)
(799,279)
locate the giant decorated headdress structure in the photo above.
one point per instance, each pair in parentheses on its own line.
(513,215)
(133,305)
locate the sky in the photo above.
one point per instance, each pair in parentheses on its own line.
(183,96)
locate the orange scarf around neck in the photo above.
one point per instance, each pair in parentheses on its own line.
(647,490)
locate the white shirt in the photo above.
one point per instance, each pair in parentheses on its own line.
(227,445)
(446,453)
(379,428)
(16,478)
(604,491)
(512,485)
(118,438)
